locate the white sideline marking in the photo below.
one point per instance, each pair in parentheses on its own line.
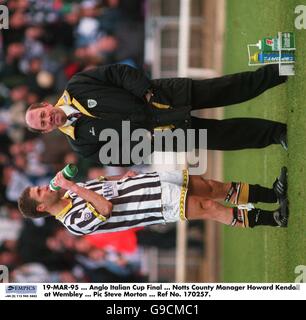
(266,271)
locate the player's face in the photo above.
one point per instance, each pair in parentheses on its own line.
(46,118)
(44,195)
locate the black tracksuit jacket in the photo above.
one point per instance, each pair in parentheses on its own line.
(119,91)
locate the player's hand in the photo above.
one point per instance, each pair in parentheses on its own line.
(62,182)
(129,174)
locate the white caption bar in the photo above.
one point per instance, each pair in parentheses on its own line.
(152,291)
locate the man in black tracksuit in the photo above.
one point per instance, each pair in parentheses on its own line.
(105,96)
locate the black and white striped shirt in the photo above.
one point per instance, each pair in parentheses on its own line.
(136,203)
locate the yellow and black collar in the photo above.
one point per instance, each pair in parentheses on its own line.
(66,99)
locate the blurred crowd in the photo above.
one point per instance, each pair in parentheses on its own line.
(47,42)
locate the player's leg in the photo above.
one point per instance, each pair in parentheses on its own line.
(234,88)
(208,188)
(198,208)
(258,217)
(242,193)
(238,192)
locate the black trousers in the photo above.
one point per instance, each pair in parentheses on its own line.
(239,133)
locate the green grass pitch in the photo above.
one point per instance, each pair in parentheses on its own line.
(267,254)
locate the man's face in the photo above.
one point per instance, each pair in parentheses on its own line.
(44,196)
(46,118)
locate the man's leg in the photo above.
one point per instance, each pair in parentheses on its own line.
(232,192)
(240,133)
(207,188)
(243,193)
(234,88)
(198,208)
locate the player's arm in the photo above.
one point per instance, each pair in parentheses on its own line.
(101,205)
(128,174)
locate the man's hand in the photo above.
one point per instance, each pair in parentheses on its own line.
(149,95)
(62,182)
(129,174)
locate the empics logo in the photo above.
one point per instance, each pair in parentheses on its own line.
(300,20)
(4,17)
(21,289)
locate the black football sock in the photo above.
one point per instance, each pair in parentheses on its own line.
(242,193)
(253,218)
(258,193)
